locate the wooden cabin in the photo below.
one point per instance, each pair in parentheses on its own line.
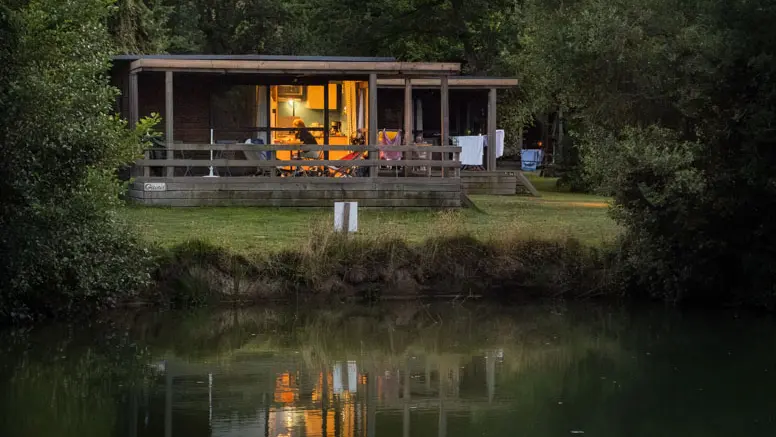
(304,131)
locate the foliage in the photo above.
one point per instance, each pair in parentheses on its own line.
(273,27)
(681,135)
(61,249)
(140,26)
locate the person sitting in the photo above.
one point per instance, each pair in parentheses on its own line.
(302,133)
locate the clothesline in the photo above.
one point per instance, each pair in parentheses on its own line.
(473,147)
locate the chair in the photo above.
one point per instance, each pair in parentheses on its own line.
(223,155)
(342,172)
(384,138)
(256,155)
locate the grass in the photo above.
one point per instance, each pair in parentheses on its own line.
(248,231)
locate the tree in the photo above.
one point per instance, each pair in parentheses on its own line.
(272,27)
(61,247)
(673,106)
(139,26)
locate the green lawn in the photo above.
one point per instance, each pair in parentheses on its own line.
(245,230)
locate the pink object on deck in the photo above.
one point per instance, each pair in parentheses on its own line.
(385,141)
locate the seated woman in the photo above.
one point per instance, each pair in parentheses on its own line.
(302,133)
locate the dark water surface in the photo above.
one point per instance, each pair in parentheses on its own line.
(398,370)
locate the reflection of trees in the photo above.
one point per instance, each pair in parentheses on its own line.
(439,370)
(408,358)
(57,383)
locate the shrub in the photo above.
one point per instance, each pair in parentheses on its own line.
(61,248)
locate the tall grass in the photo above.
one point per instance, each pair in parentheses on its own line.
(450,263)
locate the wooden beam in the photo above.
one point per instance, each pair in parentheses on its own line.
(168,118)
(372,114)
(460,82)
(134,113)
(326,118)
(221,162)
(308,147)
(445,114)
(408,139)
(134,110)
(492,129)
(296,67)
(408,134)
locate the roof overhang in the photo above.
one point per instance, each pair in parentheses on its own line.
(296,67)
(256,58)
(458,82)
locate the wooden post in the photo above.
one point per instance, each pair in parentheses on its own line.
(373,156)
(134,111)
(168,119)
(492,129)
(326,118)
(442,427)
(408,138)
(445,116)
(371,402)
(490,375)
(406,396)
(167,400)
(134,114)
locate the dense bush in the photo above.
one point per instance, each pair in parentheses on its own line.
(673,104)
(61,247)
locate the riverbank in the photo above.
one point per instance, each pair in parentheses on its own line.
(511,248)
(334,267)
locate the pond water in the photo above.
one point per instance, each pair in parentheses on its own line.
(395,370)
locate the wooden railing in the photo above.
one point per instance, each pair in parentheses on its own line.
(190,160)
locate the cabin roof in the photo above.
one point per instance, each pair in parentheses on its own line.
(332,67)
(129,57)
(458,82)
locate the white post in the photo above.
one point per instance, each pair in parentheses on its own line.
(211,175)
(346,217)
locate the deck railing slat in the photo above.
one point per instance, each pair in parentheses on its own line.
(421,156)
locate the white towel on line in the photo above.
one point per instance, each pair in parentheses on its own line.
(499,143)
(471,149)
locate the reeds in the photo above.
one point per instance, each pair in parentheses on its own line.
(450,263)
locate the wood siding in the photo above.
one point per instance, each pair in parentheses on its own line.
(489,182)
(382,192)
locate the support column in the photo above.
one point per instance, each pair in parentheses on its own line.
(168,400)
(444,116)
(406,396)
(371,402)
(134,114)
(326,118)
(492,129)
(442,426)
(490,374)
(408,138)
(445,112)
(374,156)
(134,110)
(168,119)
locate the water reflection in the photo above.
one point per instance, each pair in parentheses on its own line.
(282,396)
(394,370)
